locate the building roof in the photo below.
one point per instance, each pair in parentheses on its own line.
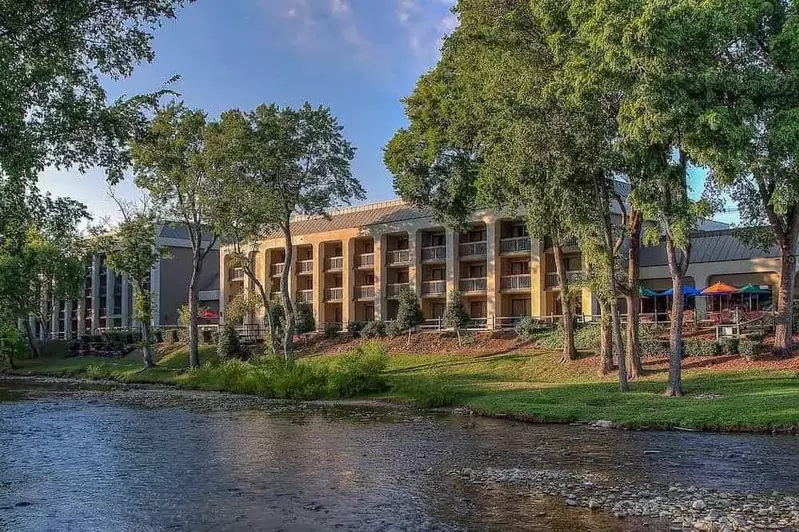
(710,246)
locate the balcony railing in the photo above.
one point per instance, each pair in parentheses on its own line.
(516,245)
(277,269)
(236,274)
(393,290)
(474,284)
(334,294)
(366,291)
(335,263)
(551,279)
(437,287)
(305,267)
(434,253)
(473,249)
(365,260)
(515,282)
(305,295)
(398,256)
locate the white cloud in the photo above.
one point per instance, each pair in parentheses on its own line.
(425,23)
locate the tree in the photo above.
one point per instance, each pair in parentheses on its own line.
(455,315)
(303,318)
(170,161)
(291,162)
(409,313)
(131,248)
(241,307)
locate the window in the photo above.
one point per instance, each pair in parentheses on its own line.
(477,309)
(338,314)
(437,310)
(520,307)
(518,231)
(368,313)
(477,235)
(437,274)
(402,277)
(437,239)
(337,252)
(476,270)
(519,268)
(402,243)
(573,264)
(337,281)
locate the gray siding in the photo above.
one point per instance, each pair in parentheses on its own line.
(175,275)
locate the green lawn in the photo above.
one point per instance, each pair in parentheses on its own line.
(531,383)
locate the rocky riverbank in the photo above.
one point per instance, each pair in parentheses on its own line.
(681,507)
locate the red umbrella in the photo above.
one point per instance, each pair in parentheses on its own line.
(207,314)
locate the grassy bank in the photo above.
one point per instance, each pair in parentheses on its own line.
(723,394)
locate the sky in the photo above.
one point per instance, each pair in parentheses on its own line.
(358,57)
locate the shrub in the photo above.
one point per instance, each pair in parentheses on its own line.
(749,348)
(207,336)
(409,313)
(331,331)
(698,347)
(159,336)
(55,349)
(304,322)
(729,346)
(394,328)
(651,344)
(97,372)
(12,346)
(529,329)
(795,315)
(373,329)
(359,372)
(355,327)
(229,346)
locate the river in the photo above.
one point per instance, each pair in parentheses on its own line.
(103,460)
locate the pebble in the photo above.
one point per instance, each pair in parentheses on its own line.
(698,505)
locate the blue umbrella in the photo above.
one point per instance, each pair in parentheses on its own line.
(688,291)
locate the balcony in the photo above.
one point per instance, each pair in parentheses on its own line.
(394,290)
(520,244)
(434,254)
(334,294)
(473,249)
(365,260)
(276,270)
(236,274)
(474,285)
(398,256)
(334,264)
(305,267)
(510,283)
(551,279)
(305,295)
(434,288)
(365,292)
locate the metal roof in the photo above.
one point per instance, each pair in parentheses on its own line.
(710,246)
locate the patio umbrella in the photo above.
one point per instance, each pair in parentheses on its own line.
(753,290)
(719,289)
(646,292)
(207,315)
(687,291)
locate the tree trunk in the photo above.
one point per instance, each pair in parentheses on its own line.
(675,335)
(783,320)
(288,309)
(605,340)
(147,345)
(194,304)
(634,366)
(569,349)
(31,340)
(618,346)
(267,312)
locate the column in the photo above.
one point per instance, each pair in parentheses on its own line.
(223,280)
(381,310)
(81,317)
(537,277)
(109,297)
(125,299)
(700,302)
(348,281)
(493,270)
(155,288)
(319,284)
(415,266)
(55,313)
(95,293)
(68,319)
(587,297)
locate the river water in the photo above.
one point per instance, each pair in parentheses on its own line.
(81,461)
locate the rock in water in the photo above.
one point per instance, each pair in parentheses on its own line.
(698,505)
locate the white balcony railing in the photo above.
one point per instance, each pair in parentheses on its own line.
(516,245)
(473,249)
(434,253)
(335,263)
(474,284)
(305,295)
(236,274)
(334,294)
(515,282)
(393,290)
(365,260)
(430,288)
(551,279)
(305,267)
(366,292)
(277,269)
(398,256)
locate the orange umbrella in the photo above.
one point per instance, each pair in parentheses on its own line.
(719,289)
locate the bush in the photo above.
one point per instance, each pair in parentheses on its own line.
(729,346)
(159,336)
(373,329)
(749,348)
(795,315)
(12,345)
(355,327)
(394,328)
(651,344)
(207,336)
(304,322)
(229,346)
(529,329)
(359,372)
(698,347)
(331,331)
(98,372)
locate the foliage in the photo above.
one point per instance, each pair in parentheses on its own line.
(455,315)
(435,391)
(242,306)
(359,372)
(355,327)
(729,346)
(394,328)
(374,329)
(750,348)
(229,345)
(332,331)
(409,313)
(700,347)
(304,319)
(795,316)
(529,328)
(12,345)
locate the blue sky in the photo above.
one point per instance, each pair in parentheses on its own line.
(359,57)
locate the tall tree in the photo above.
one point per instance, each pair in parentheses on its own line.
(131,248)
(291,162)
(171,162)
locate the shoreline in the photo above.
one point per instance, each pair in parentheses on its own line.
(382,404)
